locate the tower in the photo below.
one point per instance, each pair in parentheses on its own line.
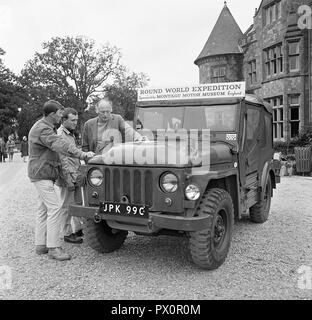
(221,59)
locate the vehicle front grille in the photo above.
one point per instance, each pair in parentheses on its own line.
(135,184)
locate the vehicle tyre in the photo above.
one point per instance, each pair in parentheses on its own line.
(259,212)
(102,238)
(209,247)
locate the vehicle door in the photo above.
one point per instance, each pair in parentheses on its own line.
(250,149)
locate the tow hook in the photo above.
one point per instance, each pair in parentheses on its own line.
(97,218)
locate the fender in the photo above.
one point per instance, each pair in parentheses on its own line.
(264,177)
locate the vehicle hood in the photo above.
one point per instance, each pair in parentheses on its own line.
(156,154)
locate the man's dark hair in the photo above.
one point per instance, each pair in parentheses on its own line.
(69,111)
(51,106)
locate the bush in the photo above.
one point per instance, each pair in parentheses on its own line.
(288,148)
(284,147)
(304,139)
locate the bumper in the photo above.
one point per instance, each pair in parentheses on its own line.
(154,223)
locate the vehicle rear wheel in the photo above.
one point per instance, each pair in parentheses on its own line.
(209,247)
(259,213)
(102,238)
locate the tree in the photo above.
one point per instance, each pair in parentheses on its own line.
(36,97)
(72,69)
(12,97)
(123,92)
(5,73)
(76,72)
(27,117)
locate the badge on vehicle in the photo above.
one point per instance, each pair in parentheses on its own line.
(231,137)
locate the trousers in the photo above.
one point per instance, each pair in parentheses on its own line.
(48,216)
(68,224)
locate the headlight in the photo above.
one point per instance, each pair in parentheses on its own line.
(96,177)
(192,192)
(169,182)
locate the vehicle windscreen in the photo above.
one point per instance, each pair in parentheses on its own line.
(218,118)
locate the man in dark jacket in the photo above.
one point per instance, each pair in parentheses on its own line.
(43,170)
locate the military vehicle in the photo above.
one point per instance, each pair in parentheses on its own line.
(206,161)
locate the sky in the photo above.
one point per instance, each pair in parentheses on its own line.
(160,38)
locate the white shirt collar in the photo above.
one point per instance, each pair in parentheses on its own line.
(65,130)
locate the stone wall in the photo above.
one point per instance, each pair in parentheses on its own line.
(260,37)
(232,62)
(263,36)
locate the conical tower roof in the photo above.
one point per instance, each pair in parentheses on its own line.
(224,36)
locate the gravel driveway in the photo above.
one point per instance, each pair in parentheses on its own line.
(262,264)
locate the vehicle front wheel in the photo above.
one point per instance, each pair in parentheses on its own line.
(102,238)
(209,247)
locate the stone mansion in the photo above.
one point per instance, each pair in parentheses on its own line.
(274,58)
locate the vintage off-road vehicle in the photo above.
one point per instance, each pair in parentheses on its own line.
(207,161)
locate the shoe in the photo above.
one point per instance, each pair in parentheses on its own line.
(58,254)
(42,249)
(79,233)
(73,238)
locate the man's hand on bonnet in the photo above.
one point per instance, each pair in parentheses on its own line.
(141,139)
(90,154)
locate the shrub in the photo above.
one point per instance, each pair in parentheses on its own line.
(288,148)
(304,139)
(284,147)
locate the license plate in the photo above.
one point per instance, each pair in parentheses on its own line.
(124,209)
